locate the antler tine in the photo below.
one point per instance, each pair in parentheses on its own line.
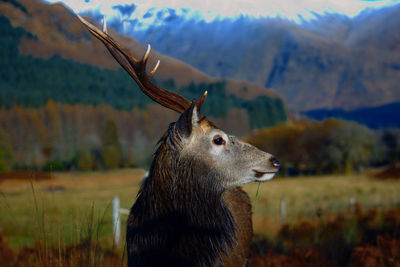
(104,24)
(146,55)
(201,100)
(143,62)
(137,70)
(154,69)
(105,38)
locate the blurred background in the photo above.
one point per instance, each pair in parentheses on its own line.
(316,83)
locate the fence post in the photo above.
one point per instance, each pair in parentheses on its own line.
(116,220)
(283,210)
(353,205)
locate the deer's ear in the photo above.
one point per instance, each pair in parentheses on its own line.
(188,120)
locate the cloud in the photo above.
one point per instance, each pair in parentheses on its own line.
(126,10)
(291,9)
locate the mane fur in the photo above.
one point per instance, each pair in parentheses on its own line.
(179,218)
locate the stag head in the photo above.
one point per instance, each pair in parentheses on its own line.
(232,161)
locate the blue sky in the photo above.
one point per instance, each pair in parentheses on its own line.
(210,9)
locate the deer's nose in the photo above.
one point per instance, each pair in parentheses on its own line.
(275,162)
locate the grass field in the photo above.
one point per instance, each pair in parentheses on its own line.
(30,211)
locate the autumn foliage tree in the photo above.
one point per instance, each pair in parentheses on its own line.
(66,135)
(84,160)
(352,145)
(111,147)
(6,155)
(317,147)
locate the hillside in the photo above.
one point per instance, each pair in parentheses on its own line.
(58,59)
(59,32)
(330,62)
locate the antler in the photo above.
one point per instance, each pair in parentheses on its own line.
(137,70)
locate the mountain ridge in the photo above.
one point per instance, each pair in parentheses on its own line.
(325,63)
(384,116)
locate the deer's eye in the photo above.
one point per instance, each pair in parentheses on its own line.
(218,140)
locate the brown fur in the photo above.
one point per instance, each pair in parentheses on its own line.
(238,203)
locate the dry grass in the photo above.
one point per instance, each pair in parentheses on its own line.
(28,213)
(31,212)
(307,196)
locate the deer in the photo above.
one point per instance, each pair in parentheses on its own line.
(191,209)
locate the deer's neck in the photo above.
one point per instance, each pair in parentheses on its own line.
(179,214)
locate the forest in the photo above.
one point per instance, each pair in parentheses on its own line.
(67,137)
